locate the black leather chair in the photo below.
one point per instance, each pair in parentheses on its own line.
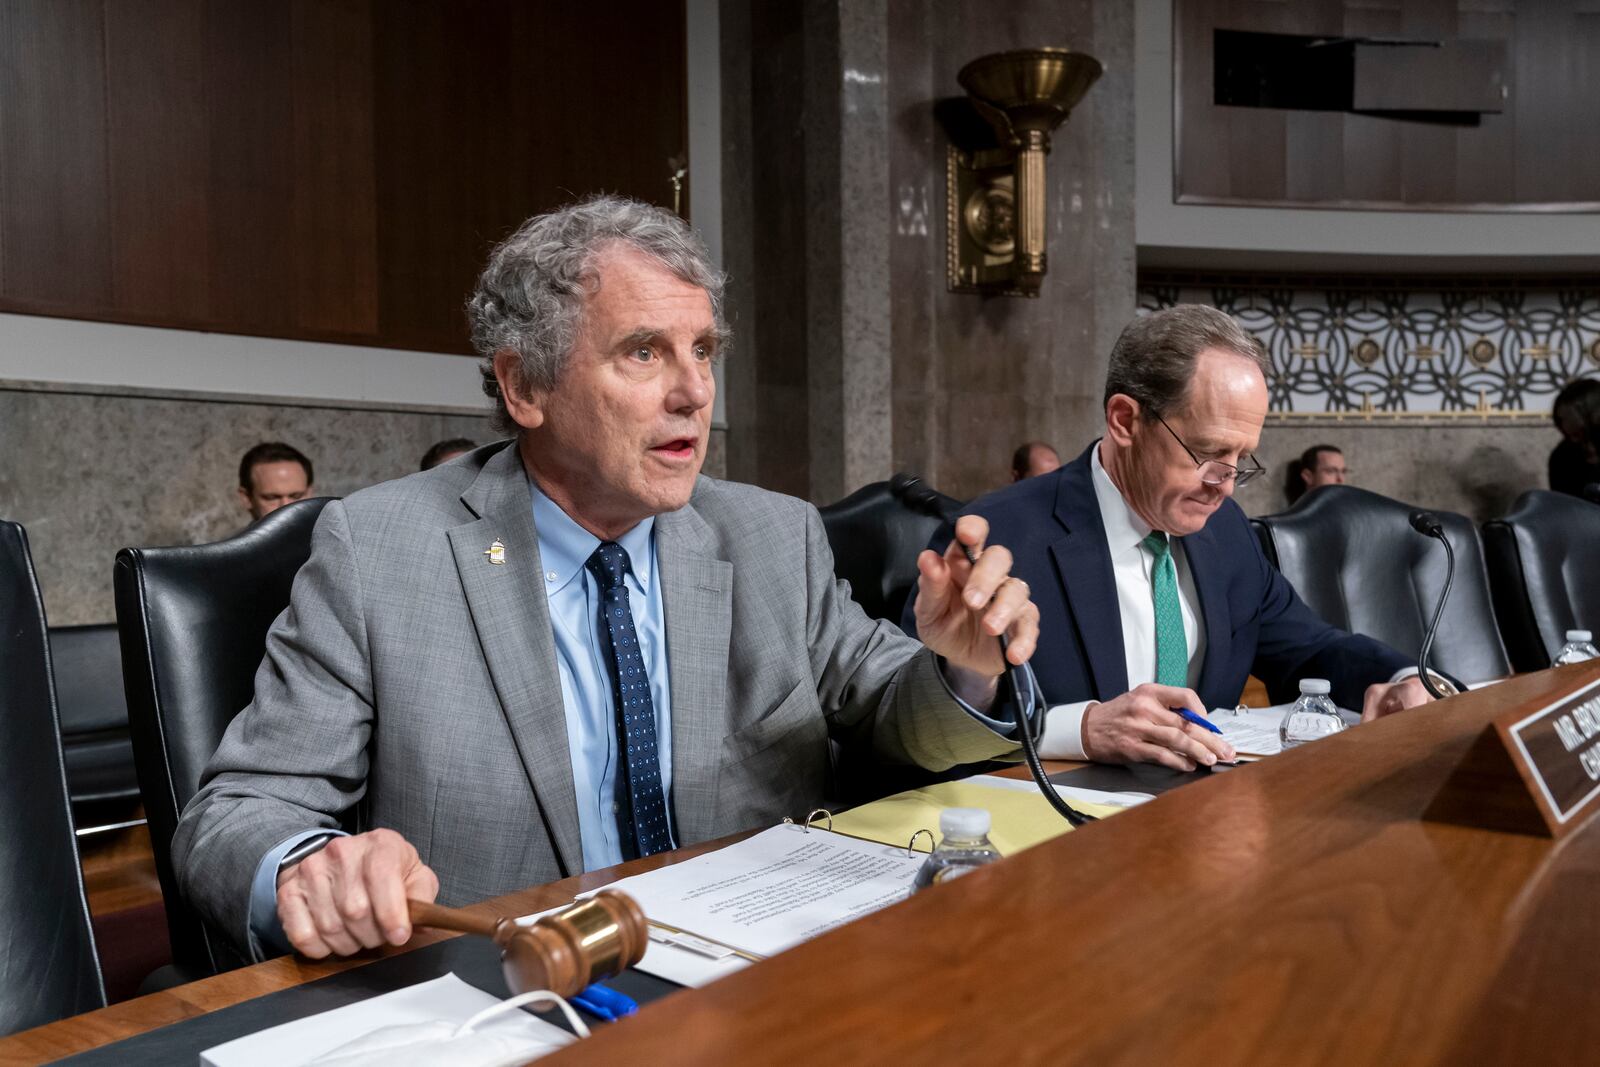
(48,967)
(1355,560)
(1544,568)
(94,717)
(194,626)
(876,533)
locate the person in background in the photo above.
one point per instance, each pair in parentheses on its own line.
(445,451)
(570,649)
(1317,465)
(271,475)
(1575,462)
(1033,459)
(1152,590)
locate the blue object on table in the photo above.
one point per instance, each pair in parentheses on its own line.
(605,1002)
(599,1011)
(1199,720)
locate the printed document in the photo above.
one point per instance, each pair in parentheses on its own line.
(1254,732)
(776,889)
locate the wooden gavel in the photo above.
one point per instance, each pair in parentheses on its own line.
(564,951)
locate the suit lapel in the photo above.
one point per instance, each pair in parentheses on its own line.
(1210,585)
(1083,561)
(512,617)
(697,595)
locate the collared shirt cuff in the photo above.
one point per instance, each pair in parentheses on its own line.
(1446,686)
(1063,731)
(1006,727)
(266,931)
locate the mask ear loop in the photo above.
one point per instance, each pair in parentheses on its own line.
(512,1003)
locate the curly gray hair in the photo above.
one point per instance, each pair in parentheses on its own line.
(530,298)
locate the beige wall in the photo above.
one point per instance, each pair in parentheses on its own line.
(1477,471)
(89,472)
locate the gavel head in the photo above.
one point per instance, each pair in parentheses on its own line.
(568,950)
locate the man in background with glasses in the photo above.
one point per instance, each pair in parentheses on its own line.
(1152,589)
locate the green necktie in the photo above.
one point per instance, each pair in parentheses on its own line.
(1172,650)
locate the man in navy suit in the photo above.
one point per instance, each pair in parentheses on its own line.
(1152,590)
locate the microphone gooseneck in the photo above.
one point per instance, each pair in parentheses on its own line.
(919,497)
(1428,524)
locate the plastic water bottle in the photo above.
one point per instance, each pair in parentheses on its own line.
(1579,647)
(964,847)
(1314,715)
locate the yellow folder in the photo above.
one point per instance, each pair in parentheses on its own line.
(1019,818)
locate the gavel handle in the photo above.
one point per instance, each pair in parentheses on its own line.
(443,918)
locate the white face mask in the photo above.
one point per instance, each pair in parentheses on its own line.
(444,1044)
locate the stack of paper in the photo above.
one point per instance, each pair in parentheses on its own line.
(1253,732)
(446,999)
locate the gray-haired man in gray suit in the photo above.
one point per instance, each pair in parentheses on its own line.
(551,656)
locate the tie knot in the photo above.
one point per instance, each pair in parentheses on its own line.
(609,565)
(1158,544)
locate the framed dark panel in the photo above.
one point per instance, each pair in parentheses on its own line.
(313,169)
(1525,152)
(55,236)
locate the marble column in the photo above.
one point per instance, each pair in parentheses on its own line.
(851,359)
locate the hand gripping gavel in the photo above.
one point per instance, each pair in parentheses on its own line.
(564,951)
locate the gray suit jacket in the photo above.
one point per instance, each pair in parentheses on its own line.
(412,684)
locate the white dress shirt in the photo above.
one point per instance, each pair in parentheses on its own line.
(1131,563)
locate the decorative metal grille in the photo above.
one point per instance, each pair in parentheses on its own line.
(1401,354)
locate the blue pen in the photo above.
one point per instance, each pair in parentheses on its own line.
(1198,720)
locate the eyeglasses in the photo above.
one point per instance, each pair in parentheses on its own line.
(1214,471)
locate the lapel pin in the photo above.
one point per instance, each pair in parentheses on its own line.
(496,552)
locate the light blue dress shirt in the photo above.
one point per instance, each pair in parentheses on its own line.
(586,695)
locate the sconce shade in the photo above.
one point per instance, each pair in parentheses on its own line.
(1036,88)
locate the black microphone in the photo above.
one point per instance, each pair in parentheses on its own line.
(1428,524)
(1591,492)
(918,496)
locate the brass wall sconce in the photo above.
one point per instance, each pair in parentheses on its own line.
(995,193)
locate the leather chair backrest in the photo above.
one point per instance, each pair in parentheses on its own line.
(876,537)
(94,718)
(1544,567)
(88,672)
(1355,560)
(194,624)
(48,967)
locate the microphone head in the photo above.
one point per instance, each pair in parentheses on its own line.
(1427,523)
(917,495)
(1591,492)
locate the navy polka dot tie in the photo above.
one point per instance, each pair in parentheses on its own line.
(641,806)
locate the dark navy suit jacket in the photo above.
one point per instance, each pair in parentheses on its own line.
(1254,621)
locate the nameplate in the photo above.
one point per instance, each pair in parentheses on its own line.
(1560,746)
(1532,771)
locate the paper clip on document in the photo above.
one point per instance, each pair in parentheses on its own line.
(700,946)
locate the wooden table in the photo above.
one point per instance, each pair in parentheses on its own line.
(1293,911)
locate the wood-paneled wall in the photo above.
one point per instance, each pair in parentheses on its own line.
(1537,155)
(315,169)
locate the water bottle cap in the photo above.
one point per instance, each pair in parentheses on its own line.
(1315,687)
(964,822)
(1579,635)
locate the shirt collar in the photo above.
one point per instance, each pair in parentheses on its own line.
(1124,528)
(564,546)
